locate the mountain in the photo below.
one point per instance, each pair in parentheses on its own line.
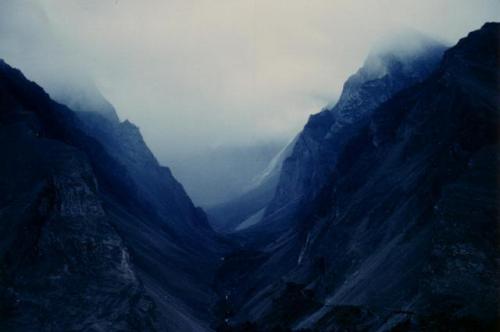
(219,174)
(96,235)
(298,170)
(384,73)
(247,209)
(396,225)
(381,215)
(46,58)
(170,239)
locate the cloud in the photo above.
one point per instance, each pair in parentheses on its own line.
(199,73)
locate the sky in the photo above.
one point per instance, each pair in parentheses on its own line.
(197,74)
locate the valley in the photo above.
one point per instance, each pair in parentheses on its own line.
(380,215)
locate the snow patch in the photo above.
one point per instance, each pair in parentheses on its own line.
(252,220)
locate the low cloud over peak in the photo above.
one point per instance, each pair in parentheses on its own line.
(193,74)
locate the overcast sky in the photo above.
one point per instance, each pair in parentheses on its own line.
(198,73)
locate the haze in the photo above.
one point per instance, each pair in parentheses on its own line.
(200,74)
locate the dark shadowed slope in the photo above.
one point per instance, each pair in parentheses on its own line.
(60,255)
(96,234)
(402,233)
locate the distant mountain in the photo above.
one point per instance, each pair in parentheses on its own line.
(96,235)
(246,209)
(392,225)
(219,174)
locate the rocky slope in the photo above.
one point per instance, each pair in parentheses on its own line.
(96,234)
(400,230)
(385,216)
(60,254)
(299,170)
(384,73)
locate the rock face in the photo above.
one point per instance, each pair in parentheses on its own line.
(399,231)
(96,235)
(300,169)
(316,151)
(173,247)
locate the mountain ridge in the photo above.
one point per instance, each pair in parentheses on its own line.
(408,204)
(172,247)
(385,216)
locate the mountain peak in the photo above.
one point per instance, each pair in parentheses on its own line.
(390,67)
(404,43)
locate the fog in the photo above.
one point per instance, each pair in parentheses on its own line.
(201,74)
